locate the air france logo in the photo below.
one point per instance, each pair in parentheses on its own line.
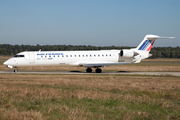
(145,45)
(49,53)
(47,56)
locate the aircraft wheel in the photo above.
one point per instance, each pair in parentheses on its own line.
(15,69)
(98,70)
(89,70)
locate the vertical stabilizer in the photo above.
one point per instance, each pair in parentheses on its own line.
(148,42)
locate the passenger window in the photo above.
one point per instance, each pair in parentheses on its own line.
(66,55)
(79,55)
(86,55)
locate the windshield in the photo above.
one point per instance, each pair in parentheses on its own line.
(19,56)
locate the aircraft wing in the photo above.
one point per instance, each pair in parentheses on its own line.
(101,64)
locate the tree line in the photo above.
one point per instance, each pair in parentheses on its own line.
(157,52)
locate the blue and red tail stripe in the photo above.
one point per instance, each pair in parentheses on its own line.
(147,45)
(150,46)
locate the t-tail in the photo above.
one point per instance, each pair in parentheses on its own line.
(135,55)
(148,42)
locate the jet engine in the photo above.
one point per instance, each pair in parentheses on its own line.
(127,53)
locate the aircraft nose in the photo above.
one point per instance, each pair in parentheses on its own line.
(6,62)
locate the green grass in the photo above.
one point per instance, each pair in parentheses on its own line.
(94,97)
(95,108)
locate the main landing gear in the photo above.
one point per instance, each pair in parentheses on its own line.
(98,70)
(89,70)
(15,69)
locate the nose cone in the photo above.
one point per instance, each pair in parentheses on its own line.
(6,62)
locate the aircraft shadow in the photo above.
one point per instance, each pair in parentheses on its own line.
(123,71)
(75,71)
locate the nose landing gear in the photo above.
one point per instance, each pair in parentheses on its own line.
(15,69)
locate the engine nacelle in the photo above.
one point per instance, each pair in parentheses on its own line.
(127,53)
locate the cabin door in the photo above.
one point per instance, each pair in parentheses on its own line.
(31,58)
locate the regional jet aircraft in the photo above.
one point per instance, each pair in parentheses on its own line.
(89,59)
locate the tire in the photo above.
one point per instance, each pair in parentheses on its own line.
(88,70)
(15,70)
(98,70)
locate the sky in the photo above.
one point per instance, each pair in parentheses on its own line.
(89,22)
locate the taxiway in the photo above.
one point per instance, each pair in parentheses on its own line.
(80,72)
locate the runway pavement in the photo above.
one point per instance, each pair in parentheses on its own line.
(80,72)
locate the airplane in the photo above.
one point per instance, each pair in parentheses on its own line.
(90,59)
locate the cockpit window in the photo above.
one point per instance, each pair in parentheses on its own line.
(19,56)
(16,56)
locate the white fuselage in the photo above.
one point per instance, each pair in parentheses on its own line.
(43,58)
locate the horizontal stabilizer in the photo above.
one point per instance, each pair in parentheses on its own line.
(158,37)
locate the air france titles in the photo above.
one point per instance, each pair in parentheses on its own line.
(47,56)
